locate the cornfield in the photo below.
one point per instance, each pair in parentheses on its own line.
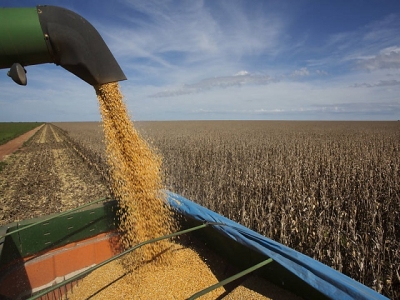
(330,190)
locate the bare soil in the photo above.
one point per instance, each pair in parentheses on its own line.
(46,176)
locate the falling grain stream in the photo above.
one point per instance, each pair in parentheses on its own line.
(162,270)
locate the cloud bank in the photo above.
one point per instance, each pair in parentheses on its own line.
(388,58)
(239,79)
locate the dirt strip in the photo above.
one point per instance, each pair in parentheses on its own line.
(13,145)
(46,176)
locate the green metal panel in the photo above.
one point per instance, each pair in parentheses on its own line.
(22,39)
(57,232)
(8,245)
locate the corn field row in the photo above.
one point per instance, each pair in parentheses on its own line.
(330,190)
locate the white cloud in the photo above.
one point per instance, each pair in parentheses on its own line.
(239,79)
(390,50)
(388,58)
(321,72)
(276,100)
(381,83)
(194,33)
(361,46)
(360,108)
(300,73)
(242,73)
(383,32)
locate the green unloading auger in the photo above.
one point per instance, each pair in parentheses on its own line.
(51,34)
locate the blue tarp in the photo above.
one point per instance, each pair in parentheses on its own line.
(328,281)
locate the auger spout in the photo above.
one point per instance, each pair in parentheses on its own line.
(51,34)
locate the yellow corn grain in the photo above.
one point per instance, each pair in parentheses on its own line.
(187,273)
(136,181)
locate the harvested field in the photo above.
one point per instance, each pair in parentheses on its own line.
(46,176)
(327,189)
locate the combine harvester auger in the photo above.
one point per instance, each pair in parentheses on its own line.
(51,34)
(44,257)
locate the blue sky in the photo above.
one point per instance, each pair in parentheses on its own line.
(241,60)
